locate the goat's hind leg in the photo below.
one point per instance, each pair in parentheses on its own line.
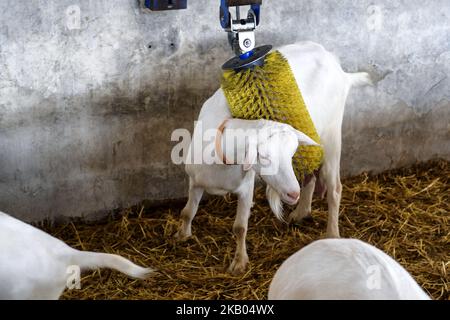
(189,211)
(330,174)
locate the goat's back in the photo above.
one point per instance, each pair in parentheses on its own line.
(343,269)
(321,80)
(33,263)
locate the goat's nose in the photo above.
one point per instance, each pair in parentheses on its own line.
(294,195)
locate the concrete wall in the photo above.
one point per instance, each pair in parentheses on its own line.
(87,106)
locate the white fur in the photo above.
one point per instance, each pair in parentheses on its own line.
(274,202)
(343,269)
(34,264)
(325,88)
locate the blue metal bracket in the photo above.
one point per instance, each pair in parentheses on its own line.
(160,5)
(257,10)
(225,17)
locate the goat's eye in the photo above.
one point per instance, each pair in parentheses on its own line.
(265,161)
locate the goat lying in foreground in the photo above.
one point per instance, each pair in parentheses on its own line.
(325,87)
(343,269)
(35,265)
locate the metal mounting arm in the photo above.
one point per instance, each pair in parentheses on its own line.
(240,30)
(241,33)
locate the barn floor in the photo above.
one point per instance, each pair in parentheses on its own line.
(405,212)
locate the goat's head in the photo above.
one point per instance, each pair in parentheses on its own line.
(270,155)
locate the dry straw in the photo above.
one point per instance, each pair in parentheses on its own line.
(405,212)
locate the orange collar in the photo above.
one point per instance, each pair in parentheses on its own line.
(219,151)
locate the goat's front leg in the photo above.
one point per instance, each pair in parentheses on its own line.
(303,209)
(245,202)
(189,211)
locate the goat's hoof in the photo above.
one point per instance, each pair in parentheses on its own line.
(238,267)
(181,236)
(295,217)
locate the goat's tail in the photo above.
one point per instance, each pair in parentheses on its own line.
(360,79)
(92,260)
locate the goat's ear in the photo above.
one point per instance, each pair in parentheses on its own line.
(304,140)
(251,154)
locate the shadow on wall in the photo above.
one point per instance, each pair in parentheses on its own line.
(115,150)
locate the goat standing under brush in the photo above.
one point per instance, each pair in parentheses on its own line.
(325,87)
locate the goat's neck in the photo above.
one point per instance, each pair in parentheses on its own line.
(234,145)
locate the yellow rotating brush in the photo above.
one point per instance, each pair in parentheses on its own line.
(270,92)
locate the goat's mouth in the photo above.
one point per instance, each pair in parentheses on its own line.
(276,200)
(288,199)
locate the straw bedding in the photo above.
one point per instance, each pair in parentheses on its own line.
(404,212)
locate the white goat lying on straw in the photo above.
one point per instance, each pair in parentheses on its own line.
(343,269)
(35,265)
(325,87)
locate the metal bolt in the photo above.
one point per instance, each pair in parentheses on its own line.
(247,43)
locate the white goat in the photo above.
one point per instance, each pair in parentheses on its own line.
(343,269)
(325,87)
(35,265)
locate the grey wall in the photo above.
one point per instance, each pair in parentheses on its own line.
(86,113)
